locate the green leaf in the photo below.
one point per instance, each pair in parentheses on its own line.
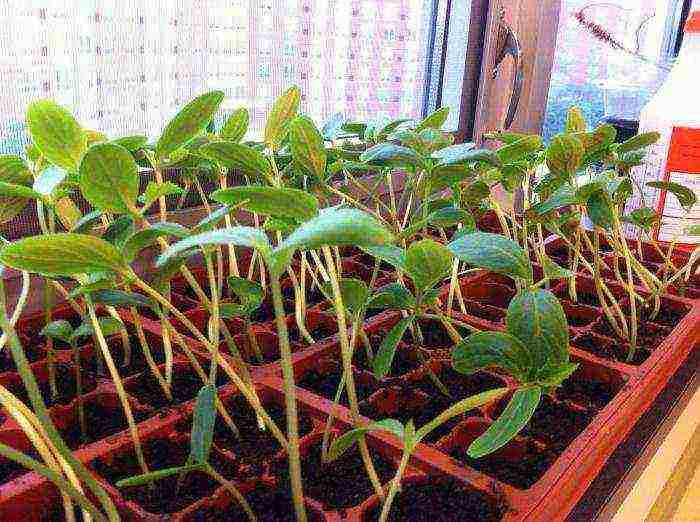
(463,406)
(109,178)
(556,373)
(385,355)
(86,223)
(352,127)
(564,196)
(235,156)
(336,226)
(203,420)
(14,173)
(236,126)
(552,270)
(241,236)
(641,141)
(56,134)
(435,120)
(213,219)
(108,325)
(519,148)
(119,298)
(306,145)
(427,262)
(277,202)
(393,255)
(283,110)
(536,318)
(393,296)
(354,292)
(564,154)
(155,191)
(249,293)
(493,350)
(517,414)
(153,476)
(466,153)
(575,121)
(119,231)
(685,196)
(347,439)
(14,192)
(148,236)
(493,252)
(442,177)
(383,153)
(600,209)
(645,218)
(48,181)
(132,143)
(106,283)
(192,119)
(64,254)
(693,230)
(61,330)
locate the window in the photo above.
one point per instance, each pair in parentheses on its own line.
(604,82)
(125,66)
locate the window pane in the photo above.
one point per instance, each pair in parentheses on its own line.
(125,66)
(602,81)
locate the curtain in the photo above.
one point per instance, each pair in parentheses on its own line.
(125,66)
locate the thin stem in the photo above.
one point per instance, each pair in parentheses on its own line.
(290,400)
(118,384)
(346,354)
(395,485)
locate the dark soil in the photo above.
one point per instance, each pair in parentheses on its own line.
(446,500)
(667,316)
(587,393)
(405,358)
(326,384)
(264,313)
(65,386)
(487,313)
(434,335)
(521,472)
(556,424)
(494,294)
(185,386)
(610,350)
(165,496)
(101,421)
(9,470)
(254,448)
(578,316)
(34,352)
(340,484)
(269,505)
(321,331)
(137,362)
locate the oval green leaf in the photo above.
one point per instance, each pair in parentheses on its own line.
(109,178)
(56,134)
(277,202)
(192,119)
(517,414)
(493,349)
(307,147)
(236,126)
(493,252)
(64,254)
(283,110)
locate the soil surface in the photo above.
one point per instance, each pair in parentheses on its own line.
(326,384)
(613,351)
(521,472)
(255,447)
(165,496)
(342,483)
(441,501)
(269,505)
(100,421)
